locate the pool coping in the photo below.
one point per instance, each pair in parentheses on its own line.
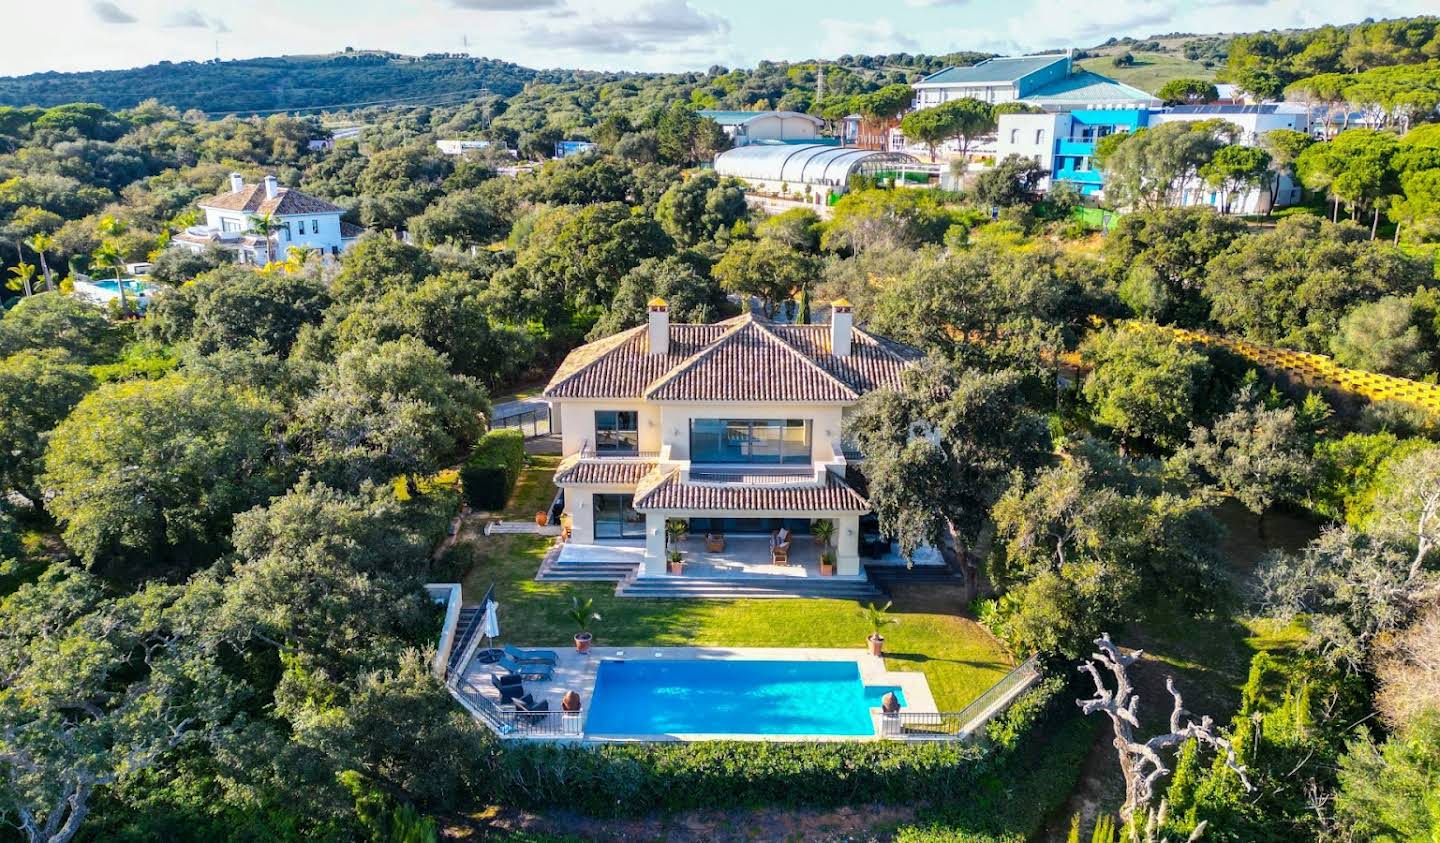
(577,672)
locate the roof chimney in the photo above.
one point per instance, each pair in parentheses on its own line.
(659,326)
(272,187)
(842,323)
(237,182)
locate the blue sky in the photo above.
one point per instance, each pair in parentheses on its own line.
(619,34)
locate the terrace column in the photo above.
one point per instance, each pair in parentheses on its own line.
(654,546)
(847,546)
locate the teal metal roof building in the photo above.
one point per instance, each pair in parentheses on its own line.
(1084,89)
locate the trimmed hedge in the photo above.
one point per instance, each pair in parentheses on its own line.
(613,780)
(489,475)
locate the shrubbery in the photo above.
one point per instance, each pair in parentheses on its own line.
(490,474)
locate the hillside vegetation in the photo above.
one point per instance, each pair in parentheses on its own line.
(284,83)
(1150,70)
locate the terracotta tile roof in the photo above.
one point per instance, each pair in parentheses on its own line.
(349,230)
(621,366)
(665,491)
(251,200)
(603,472)
(741,359)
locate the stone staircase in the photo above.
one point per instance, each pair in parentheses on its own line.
(465,629)
(557,569)
(761,586)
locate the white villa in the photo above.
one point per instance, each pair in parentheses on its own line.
(734,428)
(300,219)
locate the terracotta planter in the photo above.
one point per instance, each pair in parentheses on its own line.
(827,570)
(570,703)
(541,518)
(582,642)
(675,568)
(877,645)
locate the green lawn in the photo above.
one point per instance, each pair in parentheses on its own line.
(1150,71)
(959,658)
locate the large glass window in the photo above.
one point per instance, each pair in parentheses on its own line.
(616,518)
(617,432)
(750,441)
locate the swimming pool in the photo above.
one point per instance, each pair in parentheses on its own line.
(732,697)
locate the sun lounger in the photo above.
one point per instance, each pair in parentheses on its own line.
(528,656)
(539,672)
(534,710)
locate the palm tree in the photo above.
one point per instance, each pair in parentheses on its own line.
(265,225)
(108,256)
(297,256)
(40,243)
(24,274)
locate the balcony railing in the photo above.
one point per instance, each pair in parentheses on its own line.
(961,725)
(508,721)
(588,451)
(753,475)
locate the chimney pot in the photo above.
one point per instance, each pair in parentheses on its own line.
(842,325)
(659,326)
(272,187)
(237,182)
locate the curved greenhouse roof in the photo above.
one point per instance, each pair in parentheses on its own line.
(805,163)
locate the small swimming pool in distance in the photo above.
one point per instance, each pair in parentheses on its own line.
(732,697)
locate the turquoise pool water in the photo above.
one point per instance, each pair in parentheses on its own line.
(113,286)
(740,697)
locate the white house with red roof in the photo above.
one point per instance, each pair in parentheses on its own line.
(732,429)
(298,220)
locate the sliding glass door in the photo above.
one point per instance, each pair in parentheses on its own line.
(616,518)
(750,441)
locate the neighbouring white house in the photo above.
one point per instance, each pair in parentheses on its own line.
(457,146)
(747,127)
(733,428)
(299,220)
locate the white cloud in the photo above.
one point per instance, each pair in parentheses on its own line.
(839,37)
(192,19)
(654,26)
(507,5)
(108,12)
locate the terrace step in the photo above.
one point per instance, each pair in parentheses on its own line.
(759,586)
(556,569)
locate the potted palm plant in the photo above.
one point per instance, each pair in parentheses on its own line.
(582,612)
(827,563)
(823,530)
(676,562)
(878,619)
(679,530)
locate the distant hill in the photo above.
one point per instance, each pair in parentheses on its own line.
(1150,70)
(285,82)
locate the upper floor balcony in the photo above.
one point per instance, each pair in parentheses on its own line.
(1075,146)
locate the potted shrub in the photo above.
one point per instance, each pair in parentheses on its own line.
(827,563)
(676,563)
(679,530)
(582,612)
(878,619)
(823,530)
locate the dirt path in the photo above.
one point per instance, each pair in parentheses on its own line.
(867,823)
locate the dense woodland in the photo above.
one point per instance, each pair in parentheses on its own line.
(218,515)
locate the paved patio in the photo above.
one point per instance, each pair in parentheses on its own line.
(576,672)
